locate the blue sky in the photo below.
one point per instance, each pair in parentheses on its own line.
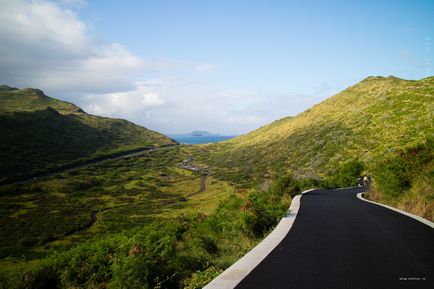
(221,66)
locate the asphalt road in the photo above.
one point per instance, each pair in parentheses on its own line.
(338,241)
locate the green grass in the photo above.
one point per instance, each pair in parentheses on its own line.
(367,123)
(150,217)
(43,210)
(40,133)
(153,228)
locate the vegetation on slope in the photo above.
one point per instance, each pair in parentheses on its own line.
(153,229)
(40,133)
(377,123)
(139,222)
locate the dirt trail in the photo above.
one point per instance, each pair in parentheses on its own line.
(94,219)
(187,165)
(202,186)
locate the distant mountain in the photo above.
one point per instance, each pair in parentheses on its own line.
(39,133)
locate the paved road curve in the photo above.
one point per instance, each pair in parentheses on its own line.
(339,241)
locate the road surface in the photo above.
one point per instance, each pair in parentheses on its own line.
(339,241)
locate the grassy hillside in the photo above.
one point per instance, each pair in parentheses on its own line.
(138,222)
(146,222)
(41,133)
(380,126)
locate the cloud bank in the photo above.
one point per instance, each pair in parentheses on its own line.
(48,46)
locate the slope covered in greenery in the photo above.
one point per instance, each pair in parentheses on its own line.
(137,222)
(153,225)
(40,133)
(380,126)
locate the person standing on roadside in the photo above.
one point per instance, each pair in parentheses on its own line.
(365,181)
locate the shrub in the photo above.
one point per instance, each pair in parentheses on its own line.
(133,271)
(85,265)
(285,185)
(28,241)
(42,278)
(391,177)
(348,174)
(395,174)
(165,253)
(261,212)
(200,278)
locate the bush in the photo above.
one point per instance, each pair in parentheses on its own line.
(347,175)
(83,266)
(164,254)
(395,174)
(42,278)
(391,177)
(133,272)
(28,241)
(200,278)
(261,211)
(285,185)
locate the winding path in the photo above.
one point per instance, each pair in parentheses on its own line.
(186,165)
(94,218)
(83,164)
(338,241)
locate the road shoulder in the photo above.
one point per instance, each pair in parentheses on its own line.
(418,218)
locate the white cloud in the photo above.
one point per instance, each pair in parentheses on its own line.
(120,104)
(43,24)
(46,45)
(174,106)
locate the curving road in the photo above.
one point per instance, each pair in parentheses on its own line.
(339,241)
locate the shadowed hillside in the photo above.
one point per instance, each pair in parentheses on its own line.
(41,133)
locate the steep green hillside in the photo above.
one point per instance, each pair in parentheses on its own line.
(41,133)
(148,221)
(376,124)
(137,222)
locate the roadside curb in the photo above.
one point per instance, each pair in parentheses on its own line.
(418,218)
(240,269)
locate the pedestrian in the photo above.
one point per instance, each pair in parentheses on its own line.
(365,180)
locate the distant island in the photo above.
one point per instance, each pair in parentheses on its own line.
(200,137)
(196,133)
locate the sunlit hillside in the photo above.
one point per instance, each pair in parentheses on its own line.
(366,128)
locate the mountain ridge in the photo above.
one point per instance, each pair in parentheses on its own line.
(378,122)
(57,133)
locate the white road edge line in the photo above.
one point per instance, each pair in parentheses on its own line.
(420,219)
(232,276)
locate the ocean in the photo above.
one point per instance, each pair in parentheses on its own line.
(200,139)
